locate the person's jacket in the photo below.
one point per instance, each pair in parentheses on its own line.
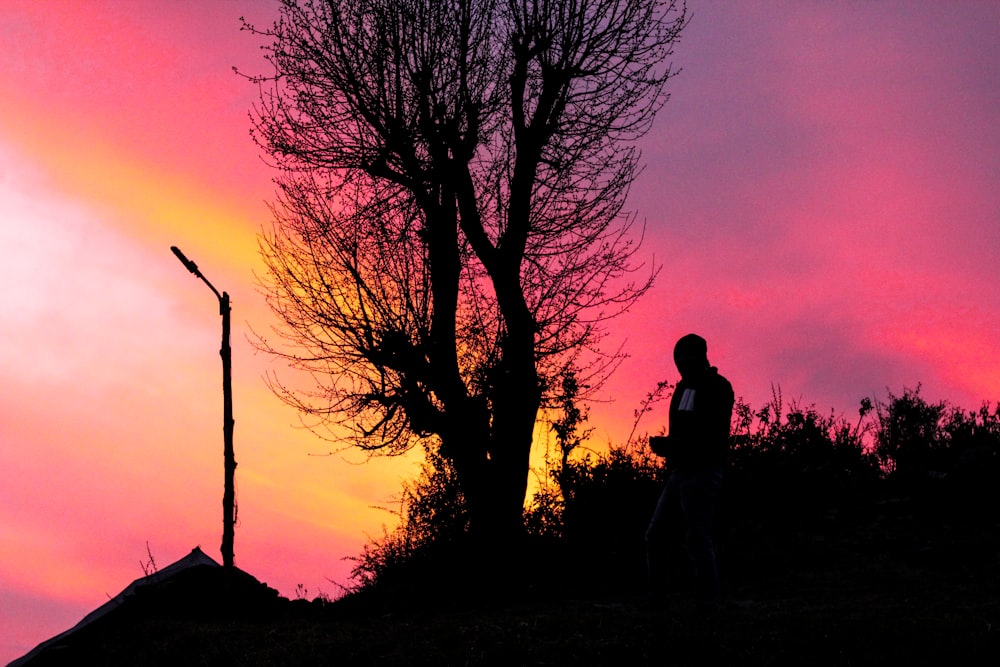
(701,411)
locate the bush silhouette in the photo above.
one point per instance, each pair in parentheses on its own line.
(802,489)
(414,557)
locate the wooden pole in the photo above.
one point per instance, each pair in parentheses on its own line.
(229,490)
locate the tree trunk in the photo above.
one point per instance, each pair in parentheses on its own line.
(492,468)
(492,457)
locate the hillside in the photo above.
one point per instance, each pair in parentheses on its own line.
(882,593)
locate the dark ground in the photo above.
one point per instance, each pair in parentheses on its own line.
(878,618)
(899,583)
(924,609)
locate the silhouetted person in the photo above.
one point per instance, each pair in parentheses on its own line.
(695,450)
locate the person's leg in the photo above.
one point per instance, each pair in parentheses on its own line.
(699,497)
(657,536)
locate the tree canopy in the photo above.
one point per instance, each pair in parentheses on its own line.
(450,230)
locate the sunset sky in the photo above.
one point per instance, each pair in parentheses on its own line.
(821,192)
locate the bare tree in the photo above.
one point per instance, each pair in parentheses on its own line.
(449,231)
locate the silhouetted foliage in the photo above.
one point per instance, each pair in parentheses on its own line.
(910,438)
(607,504)
(802,489)
(433,521)
(916,439)
(796,463)
(449,234)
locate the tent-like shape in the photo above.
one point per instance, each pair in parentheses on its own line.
(195,584)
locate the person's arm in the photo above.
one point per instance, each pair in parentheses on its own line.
(720,423)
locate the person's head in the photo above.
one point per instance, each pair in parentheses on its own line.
(691,355)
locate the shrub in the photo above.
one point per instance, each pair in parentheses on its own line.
(798,480)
